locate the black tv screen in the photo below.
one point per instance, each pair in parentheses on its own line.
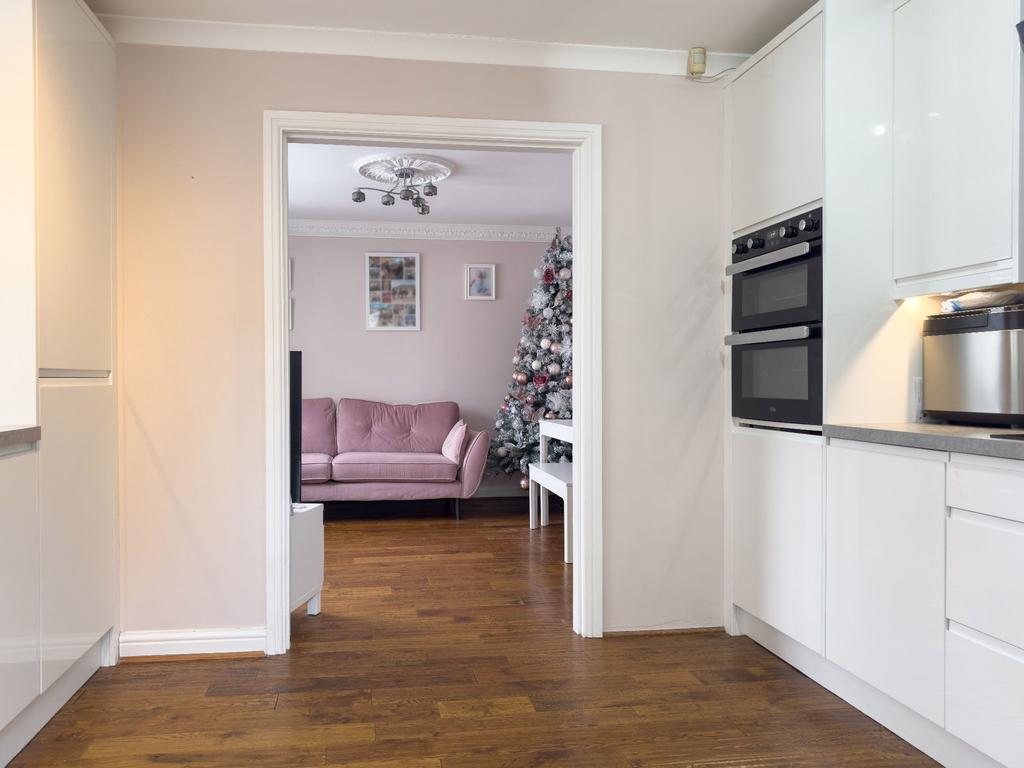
(295,419)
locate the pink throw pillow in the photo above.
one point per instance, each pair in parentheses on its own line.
(452,447)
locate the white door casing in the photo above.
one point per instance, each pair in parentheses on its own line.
(584,141)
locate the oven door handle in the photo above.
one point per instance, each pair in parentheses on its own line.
(793,333)
(767,259)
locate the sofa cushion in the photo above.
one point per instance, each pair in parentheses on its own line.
(319,429)
(452,447)
(316,467)
(365,466)
(364,425)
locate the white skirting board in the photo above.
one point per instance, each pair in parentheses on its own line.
(173,642)
(31,720)
(935,742)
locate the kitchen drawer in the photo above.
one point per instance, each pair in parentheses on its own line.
(986,485)
(985,695)
(985,575)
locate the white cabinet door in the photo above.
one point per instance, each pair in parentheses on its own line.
(76,112)
(19,583)
(885,583)
(778,515)
(956,113)
(985,694)
(78,533)
(777,149)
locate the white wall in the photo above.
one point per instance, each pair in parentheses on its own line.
(193,316)
(463,350)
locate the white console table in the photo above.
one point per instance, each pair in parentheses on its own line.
(552,477)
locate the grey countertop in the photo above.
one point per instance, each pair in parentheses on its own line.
(937,437)
(19,435)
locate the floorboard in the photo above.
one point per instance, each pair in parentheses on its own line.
(446,644)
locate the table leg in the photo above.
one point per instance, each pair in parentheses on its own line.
(533,503)
(544,520)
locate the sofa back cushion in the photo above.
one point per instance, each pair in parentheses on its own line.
(365,425)
(319,428)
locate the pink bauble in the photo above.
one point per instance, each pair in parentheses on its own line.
(505,408)
(556,348)
(530,398)
(521,378)
(550,415)
(568,380)
(524,483)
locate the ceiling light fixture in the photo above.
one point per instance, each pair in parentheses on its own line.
(408,177)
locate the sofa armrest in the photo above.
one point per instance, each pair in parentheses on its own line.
(474,461)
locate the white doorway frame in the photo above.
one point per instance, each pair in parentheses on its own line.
(584,141)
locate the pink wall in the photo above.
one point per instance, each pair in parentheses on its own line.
(192,339)
(463,349)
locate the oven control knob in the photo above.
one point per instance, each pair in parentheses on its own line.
(787,230)
(807,224)
(738,248)
(755,242)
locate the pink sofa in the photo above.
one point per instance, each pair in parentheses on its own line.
(360,450)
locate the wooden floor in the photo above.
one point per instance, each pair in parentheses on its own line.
(448,645)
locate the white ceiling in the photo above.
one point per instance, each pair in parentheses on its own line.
(486,187)
(734,26)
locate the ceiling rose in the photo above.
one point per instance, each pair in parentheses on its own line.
(389,169)
(408,177)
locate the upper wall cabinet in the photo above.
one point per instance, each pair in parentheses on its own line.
(956,148)
(75,104)
(776,127)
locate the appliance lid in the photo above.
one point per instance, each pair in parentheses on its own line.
(976,321)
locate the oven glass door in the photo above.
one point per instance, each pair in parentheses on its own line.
(787,293)
(778,381)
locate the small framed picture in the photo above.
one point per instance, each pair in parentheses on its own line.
(392,291)
(480,282)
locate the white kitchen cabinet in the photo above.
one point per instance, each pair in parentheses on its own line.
(777,501)
(885,582)
(956,145)
(776,126)
(76,130)
(78,591)
(984,584)
(985,694)
(19,582)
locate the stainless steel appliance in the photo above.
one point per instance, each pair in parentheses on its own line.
(974,366)
(776,318)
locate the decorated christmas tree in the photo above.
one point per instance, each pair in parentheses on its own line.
(541,386)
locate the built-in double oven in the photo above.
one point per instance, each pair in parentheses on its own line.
(776,322)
